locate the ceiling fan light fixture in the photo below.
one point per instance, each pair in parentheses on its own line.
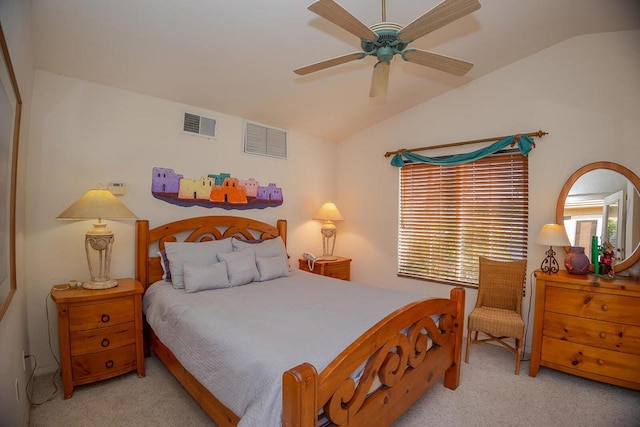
(385,53)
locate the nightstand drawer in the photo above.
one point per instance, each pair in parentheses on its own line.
(612,336)
(339,268)
(101,339)
(591,359)
(104,364)
(101,315)
(594,305)
(337,271)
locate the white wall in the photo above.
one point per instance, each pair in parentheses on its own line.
(15,16)
(585,92)
(83,134)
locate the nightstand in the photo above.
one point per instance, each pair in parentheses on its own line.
(338,269)
(100,333)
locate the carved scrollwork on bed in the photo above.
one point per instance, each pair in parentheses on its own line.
(211,232)
(387,363)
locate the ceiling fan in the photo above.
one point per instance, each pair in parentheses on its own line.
(387,39)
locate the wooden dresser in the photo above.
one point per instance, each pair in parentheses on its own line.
(100,333)
(338,269)
(587,326)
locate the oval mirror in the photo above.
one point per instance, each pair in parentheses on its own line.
(603,199)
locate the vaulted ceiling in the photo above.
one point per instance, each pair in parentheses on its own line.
(237,57)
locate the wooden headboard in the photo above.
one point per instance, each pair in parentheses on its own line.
(199,229)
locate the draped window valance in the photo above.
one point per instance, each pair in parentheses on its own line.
(523,142)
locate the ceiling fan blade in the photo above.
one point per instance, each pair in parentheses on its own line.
(439,62)
(441,15)
(379,80)
(332,11)
(329,63)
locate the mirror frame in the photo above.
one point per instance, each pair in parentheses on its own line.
(6,69)
(635,256)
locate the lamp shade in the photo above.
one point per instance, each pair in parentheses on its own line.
(97,204)
(328,212)
(553,235)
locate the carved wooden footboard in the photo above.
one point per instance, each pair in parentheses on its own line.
(395,352)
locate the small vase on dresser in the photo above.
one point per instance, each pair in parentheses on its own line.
(577,262)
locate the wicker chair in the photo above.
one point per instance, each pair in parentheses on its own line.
(498,310)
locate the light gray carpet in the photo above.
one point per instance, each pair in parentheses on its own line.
(489,395)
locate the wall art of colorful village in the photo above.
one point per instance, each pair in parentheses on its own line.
(221,191)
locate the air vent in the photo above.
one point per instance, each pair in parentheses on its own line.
(265,141)
(194,124)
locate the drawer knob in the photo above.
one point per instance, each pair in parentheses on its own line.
(600,362)
(605,307)
(105,318)
(603,335)
(109,364)
(105,342)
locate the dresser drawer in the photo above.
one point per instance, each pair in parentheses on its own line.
(101,315)
(89,367)
(101,339)
(594,305)
(591,359)
(608,335)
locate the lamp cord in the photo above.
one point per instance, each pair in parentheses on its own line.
(528,318)
(35,364)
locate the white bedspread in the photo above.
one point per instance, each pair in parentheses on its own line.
(238,341)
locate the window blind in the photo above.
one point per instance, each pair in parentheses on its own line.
(449,215)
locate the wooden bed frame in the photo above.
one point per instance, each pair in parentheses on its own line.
(395,350)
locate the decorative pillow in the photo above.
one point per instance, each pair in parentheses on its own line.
(272,267)
(201,253)
(202,277)
(264,248)
(164,262)
(241,267)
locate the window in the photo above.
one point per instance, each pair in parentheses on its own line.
(449,215)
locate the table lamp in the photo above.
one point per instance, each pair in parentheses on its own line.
(328,213)
(98,242)
(552,235)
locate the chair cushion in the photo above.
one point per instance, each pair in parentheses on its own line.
(496,321)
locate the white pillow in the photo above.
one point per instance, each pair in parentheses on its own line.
(201,253)
(272,267)
(202,277)
(266,248)
(241,267)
